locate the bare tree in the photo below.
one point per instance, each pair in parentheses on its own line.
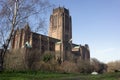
(14,14)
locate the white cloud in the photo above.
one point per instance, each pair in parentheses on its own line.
(104,51)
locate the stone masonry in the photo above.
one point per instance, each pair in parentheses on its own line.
(59,38)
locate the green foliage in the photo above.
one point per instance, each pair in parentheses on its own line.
(37,75)
(32,75)
(48,56)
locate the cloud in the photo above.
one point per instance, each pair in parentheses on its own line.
(103,51)
(107,54)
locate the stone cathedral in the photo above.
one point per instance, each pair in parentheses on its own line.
(59,39)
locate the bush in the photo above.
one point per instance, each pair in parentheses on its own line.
(84,66)
(98,66)
(15,60)
(69,67)
(21,59)
(113,66)
(47,57)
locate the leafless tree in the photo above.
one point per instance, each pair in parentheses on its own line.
(14,14)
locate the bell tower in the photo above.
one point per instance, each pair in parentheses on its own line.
(61,28)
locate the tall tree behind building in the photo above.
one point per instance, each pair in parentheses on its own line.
(14,14)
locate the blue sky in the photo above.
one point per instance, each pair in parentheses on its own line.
(96,23)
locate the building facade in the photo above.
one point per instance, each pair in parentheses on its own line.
(59,38)
(61,28)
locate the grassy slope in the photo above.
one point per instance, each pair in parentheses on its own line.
(56,76)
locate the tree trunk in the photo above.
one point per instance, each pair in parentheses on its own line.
(1,61)
(6,44)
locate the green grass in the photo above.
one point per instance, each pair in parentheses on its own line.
(30,75)
(107,76)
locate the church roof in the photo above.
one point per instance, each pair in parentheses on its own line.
(53,39)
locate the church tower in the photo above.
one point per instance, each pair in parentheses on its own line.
(61,28)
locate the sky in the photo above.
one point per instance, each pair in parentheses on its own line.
(96,23)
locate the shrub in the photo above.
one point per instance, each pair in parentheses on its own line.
(69,67)
(113,66)
(84,66)
(15,60)
(98,66)
(48,56)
